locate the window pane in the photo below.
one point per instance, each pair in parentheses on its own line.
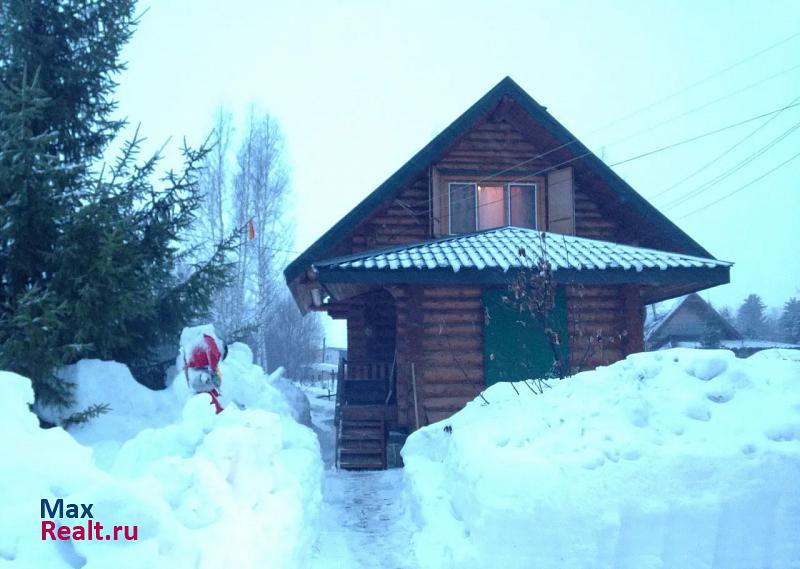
(491,207)
(523,205)
(462,208)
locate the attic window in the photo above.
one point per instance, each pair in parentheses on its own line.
(474,206)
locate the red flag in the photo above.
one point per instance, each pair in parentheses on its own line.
(251,229)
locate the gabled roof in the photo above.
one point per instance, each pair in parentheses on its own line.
(702,309)
(627,197)
(486,256)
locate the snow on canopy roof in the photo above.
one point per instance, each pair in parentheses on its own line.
(499,250)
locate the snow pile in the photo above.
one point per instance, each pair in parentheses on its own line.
(680,458)
(239,489)
(132,406)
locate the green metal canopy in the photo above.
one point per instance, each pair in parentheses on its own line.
(489,256)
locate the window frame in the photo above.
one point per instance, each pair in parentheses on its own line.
(450,185)
(506,197)
(535,187)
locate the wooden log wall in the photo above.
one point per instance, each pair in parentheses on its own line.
(402,219)
(371,327)
(590,221)
(604,324)
(440,330)
(491,145)
(494,143)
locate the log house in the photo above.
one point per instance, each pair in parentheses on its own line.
(421,268)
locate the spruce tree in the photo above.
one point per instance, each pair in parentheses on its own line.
(87,252)
(789,322)
(30,313)
(751,318)
(74,47)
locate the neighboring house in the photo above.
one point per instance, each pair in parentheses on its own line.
(420,269)
(693,323)
(333,356)
(689,320)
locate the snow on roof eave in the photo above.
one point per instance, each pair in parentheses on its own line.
(463,241)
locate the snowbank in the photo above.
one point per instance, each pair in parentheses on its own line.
(680,458)
(134,407)
(239,489)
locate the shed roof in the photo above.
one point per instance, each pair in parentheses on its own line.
(487,256)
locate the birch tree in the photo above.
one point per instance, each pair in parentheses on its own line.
(253,189)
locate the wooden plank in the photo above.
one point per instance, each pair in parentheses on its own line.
(448,304)
(474,360)
(443,317)
(451,291)
(446,403)
(459,389)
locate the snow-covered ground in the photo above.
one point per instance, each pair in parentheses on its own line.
(672,459)
(364,522)
(239,489)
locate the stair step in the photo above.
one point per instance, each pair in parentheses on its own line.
(363,429)
(362,451)
(361,465)
(362,422)
(366,446)
(348,438)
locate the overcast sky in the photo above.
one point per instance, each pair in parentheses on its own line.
(358,87)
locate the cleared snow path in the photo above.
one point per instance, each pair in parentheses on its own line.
(364,519)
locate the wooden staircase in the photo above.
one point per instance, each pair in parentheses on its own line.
(361,439)
(363,396)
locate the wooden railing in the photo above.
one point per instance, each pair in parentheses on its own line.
(365,383)
(367,370)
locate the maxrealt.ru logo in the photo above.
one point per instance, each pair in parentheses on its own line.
(92,530)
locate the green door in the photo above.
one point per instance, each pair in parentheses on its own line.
(515,346)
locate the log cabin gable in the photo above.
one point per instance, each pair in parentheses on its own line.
(506,148)
(399,219)
(511,137)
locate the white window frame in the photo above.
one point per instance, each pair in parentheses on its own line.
(507,197)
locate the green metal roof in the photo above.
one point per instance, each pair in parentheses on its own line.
(487,256)
(658,224)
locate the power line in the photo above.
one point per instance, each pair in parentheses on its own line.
(631,159)
(730,171)
(742,187)
(723,154)
(647,129)
(649,106)
(700,81)
(706,104)
(703,135)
